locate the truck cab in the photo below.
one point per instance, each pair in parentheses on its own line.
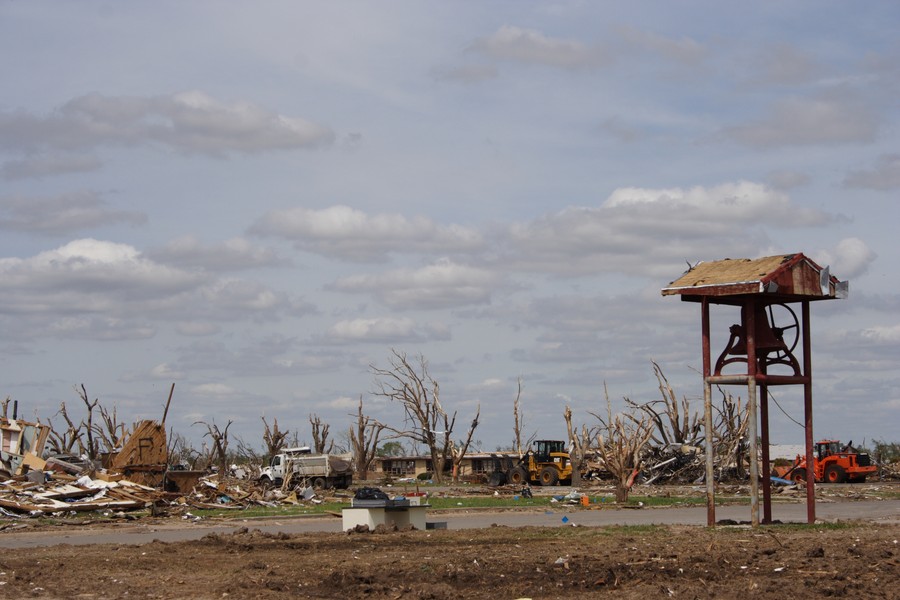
(274,473)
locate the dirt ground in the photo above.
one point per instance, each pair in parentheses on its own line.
(860,560)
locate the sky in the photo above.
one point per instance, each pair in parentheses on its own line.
(260,202)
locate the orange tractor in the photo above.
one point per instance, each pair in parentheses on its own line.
(832,463)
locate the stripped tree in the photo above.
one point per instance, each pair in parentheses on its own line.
(321,444)
(364,441)
(673,421)
(579,445)
(459,450)
(621,440)
(518,420)
(730,432)
(219,451)
(273,438)
(425,420)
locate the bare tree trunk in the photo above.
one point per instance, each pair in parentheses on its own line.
(89,426)
(64,443)
(621,442)
(320,435)
(425,420)
(364,441)
(459,452)
(579,448)
(219,439)
(518,419)
(273,438)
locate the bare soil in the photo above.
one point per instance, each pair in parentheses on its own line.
(858,560)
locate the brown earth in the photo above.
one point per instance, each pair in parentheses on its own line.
(857,560)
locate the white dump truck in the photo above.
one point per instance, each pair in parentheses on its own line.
(299,467)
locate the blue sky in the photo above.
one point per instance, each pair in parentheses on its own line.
(258,202)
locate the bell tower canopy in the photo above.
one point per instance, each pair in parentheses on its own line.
(782,278)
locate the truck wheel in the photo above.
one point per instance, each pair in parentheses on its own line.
(549,476)
(265,482)
(798,475)
(319,483)
(518,476)
(835,474)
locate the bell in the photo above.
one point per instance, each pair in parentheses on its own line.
(767,339)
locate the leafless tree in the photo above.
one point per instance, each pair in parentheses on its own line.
(110,431)
(5,407)
(273,438)
(180,450)
(459,450)
(673,421)
(89,447)
(732,421)
(364,440)
(621,439)
(65,442)
(321,443)
(425,420)
(219,450)
(247,455)
(518,419)
(579,444)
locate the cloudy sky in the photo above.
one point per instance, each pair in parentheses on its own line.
(258,202)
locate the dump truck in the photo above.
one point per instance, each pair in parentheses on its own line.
(299,467)
(832,463)
(546,463)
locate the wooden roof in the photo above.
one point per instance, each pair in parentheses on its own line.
(786,277)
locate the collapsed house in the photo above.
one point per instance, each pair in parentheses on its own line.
(21,445)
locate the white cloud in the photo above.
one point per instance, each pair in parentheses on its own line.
(105,290)
(653,231)
(98,328)
(531,46)
(883,335)
(213,389)
(850,258)
(383,330)
(885,175)
(344,232)
(237,295)
(230,255)
(189,122)
(343,403)
(443,284)
(88,275)
(62,214)
(166,372)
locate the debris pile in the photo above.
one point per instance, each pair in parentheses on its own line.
(18,498)
(134,477)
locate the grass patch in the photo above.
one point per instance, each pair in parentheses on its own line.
(505,502)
